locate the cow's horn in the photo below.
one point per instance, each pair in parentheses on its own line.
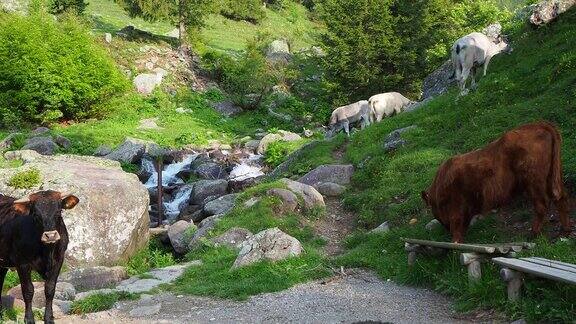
(22,200)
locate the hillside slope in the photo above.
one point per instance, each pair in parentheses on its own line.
(536,82)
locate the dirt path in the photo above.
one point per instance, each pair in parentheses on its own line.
(335,226)
(359,296)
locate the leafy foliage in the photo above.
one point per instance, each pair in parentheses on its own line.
(61,6)
(52,68)
(25,179)
(249,10)
(100,302)
(377,45)
(155,255)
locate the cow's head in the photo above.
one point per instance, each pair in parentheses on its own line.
(46,209)
(441,216)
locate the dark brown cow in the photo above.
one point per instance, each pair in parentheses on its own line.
(33,237)
(524,160)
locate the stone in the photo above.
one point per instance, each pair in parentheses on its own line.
(174,33)
(8,141)
(233,238)
(110,223)
(308,133)
(383,228)
(103,150)
(188,212)
(62,141)
(25,156)
(413,221)
(132,150)
(15,6)
(145,311)
(279,51)
(415,105)
(149,124)
(394,140)
(493,31)
(108,38)
(268,245)
(312,198)
(205,188)
(182,110)
(145,83)
(64,291)
(180,234)
(9,302)
(42,145)
(439,81)
(154,279)
(548,10)
(279,136)
(251,202)
(227,108)
(64,305)
(330,189)
(340,174)
(220,205)
(98,277)
(289,200)
(432,225)
(204,229)
(210,171)
(40,131)
(252,145)
(294,157)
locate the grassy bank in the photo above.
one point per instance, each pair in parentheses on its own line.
(536,82)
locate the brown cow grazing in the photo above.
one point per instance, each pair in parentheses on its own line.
(33,237)
(524,160)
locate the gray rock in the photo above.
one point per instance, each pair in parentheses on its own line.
(227,108)
(182,110)
(210,171)
(269,245)
(204,229)
(439,81)
(433,224)
(86,294)
(251,202)
(103,150)
(233,238)
(548,10)
(15,6)
(145,83)
(340,174)
(159,277)
(288,199)
(394,140)
(42,145)
(383,228)
(145,311)
(206,188)
(279,52)
(220,205)
(149,124)
(40,131)
(64,291)
(132,150)
(187,214)
(415,105)
(284,167)
(108,38)
(62,141)
(8,141)
(64,305)
(493,31)
(252,145)
(330,189)
(279,136)
(97,277)
(180,234)
(312,198)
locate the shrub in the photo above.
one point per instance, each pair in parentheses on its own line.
(249,10)
(25,179)
(151,257)
(61,6)
(277,152)
(100,302)
(52,68)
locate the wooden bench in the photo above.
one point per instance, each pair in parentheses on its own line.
(471,255)
(514,269)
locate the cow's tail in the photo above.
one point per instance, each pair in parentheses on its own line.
(557,186)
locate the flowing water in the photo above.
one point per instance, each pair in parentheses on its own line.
(248,168)
(169,174)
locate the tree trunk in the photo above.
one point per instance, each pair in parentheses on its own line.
(182,23)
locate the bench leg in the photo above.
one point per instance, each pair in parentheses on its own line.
(411,258)
(472,262)
(514,282)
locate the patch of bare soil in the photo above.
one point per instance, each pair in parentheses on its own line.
(338,223)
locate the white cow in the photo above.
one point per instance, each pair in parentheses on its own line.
(473,51)
(386,104)
(343,116)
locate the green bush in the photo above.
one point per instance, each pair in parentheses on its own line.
(61,6)
(52,68)
(249,10)
(151,257)
(277,152)
(25,179)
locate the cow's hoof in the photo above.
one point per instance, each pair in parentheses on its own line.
(29,321)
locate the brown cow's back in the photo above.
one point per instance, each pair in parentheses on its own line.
(6,211)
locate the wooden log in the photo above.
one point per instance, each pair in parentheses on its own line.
(514,283)
(411,258)
(160,188)
(411,247)
(453,246)
(467,258)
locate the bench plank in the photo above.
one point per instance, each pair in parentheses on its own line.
(453,246)
(568,265)
(537,270)
(547,263)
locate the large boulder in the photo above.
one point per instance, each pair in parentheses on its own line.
(394,140)
(269,245)
(18,6)
(439,81)
(548,10)
(220,205)
(205,188)
(210,171)
(233,238)
(145,83)
(92,278)
(180,234)
(288,199)
(203,231)
(132,150)
(110,224)
(42,144)
(227,108)
(64,291)
(329,189)
(279,136)
(340,174)
(279,51)
(312,198)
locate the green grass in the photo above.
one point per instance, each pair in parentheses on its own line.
(536,82)
(8,164)
(155,255)
(100,302)
(220,33)
(25,179)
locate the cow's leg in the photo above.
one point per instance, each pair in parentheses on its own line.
(27,291)
(473,85)
(563,206)
(49,290)
(457,229)
(346,126)
(541,210)
(486,61)
(3,272)
(463,80)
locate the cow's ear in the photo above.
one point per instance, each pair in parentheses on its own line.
(426,198)
(22,207)
(70,202)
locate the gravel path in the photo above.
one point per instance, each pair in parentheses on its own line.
(359,296)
